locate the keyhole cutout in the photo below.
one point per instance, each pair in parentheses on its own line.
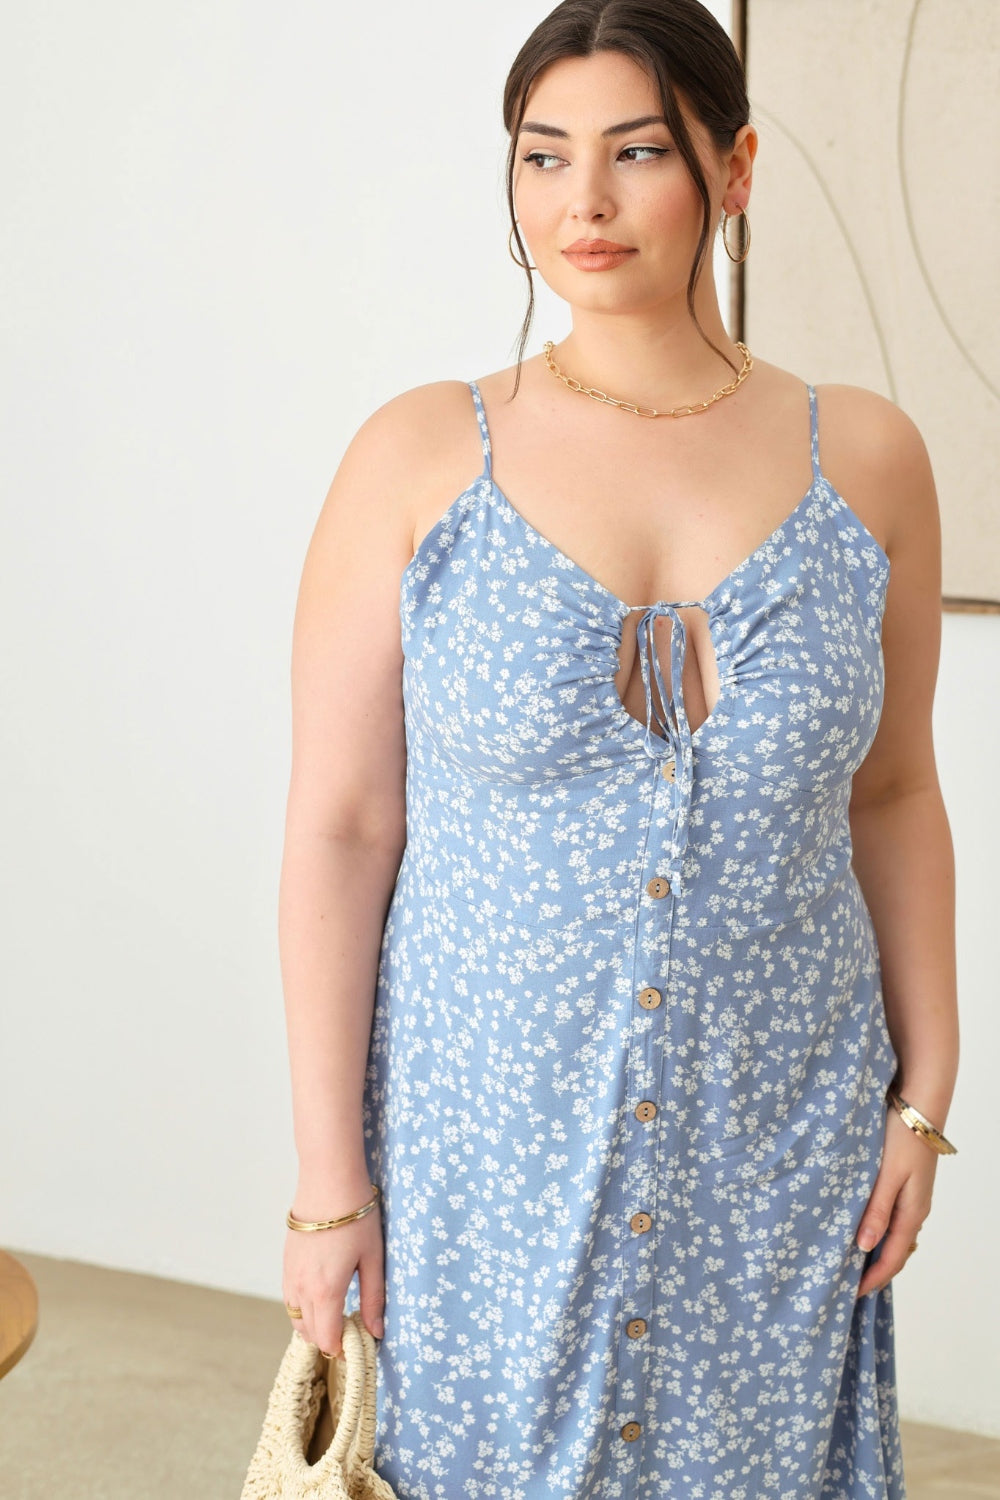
(699,688)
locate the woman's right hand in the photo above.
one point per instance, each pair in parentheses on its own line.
(319,1266)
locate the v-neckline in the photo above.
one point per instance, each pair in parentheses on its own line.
(620,604)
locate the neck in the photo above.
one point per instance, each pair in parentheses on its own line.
(656,361)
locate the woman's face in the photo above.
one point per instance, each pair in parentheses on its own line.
(632,187)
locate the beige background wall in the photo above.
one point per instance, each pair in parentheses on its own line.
(876,221)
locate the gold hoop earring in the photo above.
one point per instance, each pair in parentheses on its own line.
(737,259)
(510,251)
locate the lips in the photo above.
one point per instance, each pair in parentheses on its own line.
(594,247)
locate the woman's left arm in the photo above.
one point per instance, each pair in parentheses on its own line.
(902,846)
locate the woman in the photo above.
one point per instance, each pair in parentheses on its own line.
(589,841)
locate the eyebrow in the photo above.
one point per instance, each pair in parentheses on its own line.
(534,127)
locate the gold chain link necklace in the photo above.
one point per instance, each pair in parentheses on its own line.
(646,411)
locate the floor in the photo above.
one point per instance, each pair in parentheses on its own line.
(139,1388)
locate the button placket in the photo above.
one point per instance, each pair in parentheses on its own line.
(639,1204)
(670,803)
(663,882)
(643,1154)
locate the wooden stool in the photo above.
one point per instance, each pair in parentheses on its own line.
(18,1311)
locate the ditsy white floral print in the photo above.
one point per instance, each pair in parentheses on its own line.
(626,1089)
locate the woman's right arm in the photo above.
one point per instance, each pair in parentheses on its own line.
(345,833)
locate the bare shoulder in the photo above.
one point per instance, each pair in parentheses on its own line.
(414,454)
(365,530)
(855,417)
(411,420)
(875,456)
(415,431)
(404,457)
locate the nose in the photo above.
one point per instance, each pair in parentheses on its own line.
(590,193)
(588,206)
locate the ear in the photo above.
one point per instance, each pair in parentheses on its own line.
(737,192)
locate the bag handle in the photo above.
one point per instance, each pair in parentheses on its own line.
(359,1351)
(358,1394)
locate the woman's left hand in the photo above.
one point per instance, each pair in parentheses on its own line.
(900,1202)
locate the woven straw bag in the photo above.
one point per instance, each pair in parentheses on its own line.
(313,1398)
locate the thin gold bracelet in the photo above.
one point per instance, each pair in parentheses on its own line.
(310,1228)
(921,1126)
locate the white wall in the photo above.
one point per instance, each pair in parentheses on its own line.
(216,218)
(947,1309)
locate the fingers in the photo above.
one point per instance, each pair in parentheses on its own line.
(898,1227)
(328,1321)
(899,1204)
(875,1219)
(304,1322)
(319,1293)
(321,1322)
(318,1274)
(371,1279)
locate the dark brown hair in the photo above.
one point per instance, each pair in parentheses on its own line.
(685,51)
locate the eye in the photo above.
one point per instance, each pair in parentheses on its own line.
(656,150)
(538,157)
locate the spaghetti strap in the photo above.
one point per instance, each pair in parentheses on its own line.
(814,432)
(484,430)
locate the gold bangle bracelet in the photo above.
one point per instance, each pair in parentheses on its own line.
(310,1227)
(921,1126)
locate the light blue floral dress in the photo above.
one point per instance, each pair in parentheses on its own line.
(626,1089)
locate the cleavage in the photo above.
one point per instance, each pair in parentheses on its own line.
(699,688)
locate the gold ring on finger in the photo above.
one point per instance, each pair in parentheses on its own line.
(293,1312)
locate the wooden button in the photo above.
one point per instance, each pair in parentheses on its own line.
(646,1110)
(670,770)
(641,1223)
(659,886)
(631,1431)
(649,998)
(636,1328)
